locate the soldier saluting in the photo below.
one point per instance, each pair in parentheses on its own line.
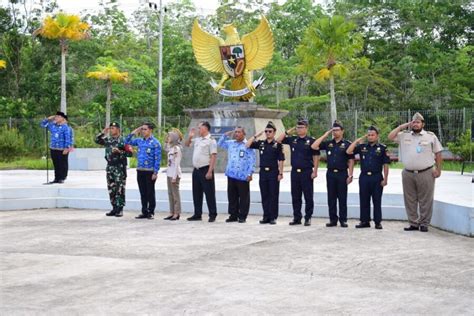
(116,153)
(373,158)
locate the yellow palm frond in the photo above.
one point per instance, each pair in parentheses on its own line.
(108,72)
(64,26)
(322,75)
(3,64)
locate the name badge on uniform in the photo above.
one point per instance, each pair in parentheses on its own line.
(418,149)
(241,153)
(363,156)
(148,150)
(261,152)
(343,145)
(56,135)
(293,149)
(329,153)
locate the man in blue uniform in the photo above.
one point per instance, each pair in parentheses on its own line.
(149,158)
(239,170)
(340,166)
(373,158)
(60,144)
(304,168)
(271,171)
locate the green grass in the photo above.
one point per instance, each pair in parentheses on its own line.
(32,163)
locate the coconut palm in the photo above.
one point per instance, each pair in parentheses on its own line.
(3,64)
(66,28)
(328,48)
(110,74)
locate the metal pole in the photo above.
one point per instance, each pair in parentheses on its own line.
(463,120)
(355,127)
(160,67)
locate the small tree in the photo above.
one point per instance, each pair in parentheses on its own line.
(463,147)
(327,50)
(110,74)
(65,28)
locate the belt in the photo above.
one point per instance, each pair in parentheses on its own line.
(337,170)
(300,169)
(267,168)
(419,171)
(202,167)
(371,173)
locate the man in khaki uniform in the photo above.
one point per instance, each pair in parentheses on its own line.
(419,150)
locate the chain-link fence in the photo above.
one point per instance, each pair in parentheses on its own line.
(448,125)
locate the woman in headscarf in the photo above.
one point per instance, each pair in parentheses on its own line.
(173,172)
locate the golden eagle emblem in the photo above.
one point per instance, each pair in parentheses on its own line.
(235,58)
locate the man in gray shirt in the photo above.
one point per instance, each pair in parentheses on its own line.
(204,160)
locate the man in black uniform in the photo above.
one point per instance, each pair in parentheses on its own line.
(339,175)
(373,158)
(304,168)
(271,171)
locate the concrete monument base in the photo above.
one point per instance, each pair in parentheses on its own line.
(224,117)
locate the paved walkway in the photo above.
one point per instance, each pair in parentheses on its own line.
(73,262)
(452,187)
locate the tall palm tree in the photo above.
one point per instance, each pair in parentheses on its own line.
(3,64)
(110,74)
(328,48)
(66,28)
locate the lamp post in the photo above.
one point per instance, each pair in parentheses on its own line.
(156,7)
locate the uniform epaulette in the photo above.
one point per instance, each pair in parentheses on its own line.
(431,133)
(383,145)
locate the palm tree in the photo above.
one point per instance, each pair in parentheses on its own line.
(3,64)
(110,74)
(328,48)
(66,28)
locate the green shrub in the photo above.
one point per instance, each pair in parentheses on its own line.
(12,143)
(463,147)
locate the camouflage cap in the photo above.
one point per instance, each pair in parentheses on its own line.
(418,116)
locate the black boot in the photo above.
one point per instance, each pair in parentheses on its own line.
(112,212)
(119,212)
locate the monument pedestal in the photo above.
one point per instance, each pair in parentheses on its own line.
(224,117)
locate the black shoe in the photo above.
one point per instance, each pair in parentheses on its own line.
(295,222)
(53,182)
(331,224)
(344,224)
(378,226)
(272,222)
(174,218)
(242,220)
(150,216)
(168,218)
(119,212)
(410,228)
(363,225)
(231,219)
(264,221)
(60,181)
(307,222)
(194,218)
(141,216)
(212,219)
(112,212)
(424,229)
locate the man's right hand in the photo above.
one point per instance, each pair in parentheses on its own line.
(50,118)
(406,125)
(228,133)
(105,130)
(209,175)
(192,132)
(360,139)
(291,130)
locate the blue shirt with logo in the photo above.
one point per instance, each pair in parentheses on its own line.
(148,152)
(61,135)
(240,159)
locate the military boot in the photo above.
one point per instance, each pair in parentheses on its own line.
(112,212)
(119,212)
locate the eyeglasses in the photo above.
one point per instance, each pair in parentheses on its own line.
(269,131)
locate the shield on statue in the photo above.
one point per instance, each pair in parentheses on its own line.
(233,59)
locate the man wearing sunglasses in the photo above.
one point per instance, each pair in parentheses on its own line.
(304,168)
(149,158)
(271,171)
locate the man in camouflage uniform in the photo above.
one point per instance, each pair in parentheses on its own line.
(116,153)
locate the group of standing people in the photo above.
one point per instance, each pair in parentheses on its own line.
(420,153)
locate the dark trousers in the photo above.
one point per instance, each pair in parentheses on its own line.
(301,183)
(238,194)
(201,186)
(369,187)
(60,163)
(337,191)
(147,191)
(269,190)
